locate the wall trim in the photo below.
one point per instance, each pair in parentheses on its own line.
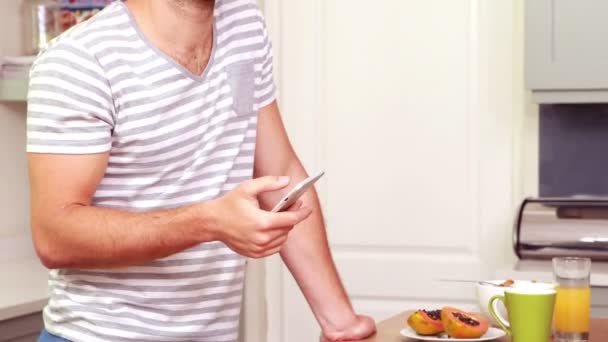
(273,294)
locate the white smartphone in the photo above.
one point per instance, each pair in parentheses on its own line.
(296,192)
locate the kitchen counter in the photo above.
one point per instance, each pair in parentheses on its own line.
(24,287)
(388,330)
(542,270)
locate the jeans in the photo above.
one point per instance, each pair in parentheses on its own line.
(46,337)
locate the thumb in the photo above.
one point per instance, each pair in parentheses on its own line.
(264,184)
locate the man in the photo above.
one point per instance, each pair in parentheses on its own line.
(156,149)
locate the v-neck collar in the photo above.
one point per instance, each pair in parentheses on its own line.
(160,53)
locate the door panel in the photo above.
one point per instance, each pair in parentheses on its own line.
(388,141)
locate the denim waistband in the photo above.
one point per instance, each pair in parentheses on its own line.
(46,337)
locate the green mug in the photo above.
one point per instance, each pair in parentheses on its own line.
(530,310)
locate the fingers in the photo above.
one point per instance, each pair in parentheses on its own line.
(266,253)
(278,242)
(264,184)
(266,239)
(296,206)
(273,248)
(287,218)
(270,241)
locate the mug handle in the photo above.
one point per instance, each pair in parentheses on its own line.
(504,324)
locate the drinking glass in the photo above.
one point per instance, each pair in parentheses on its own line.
(573,300)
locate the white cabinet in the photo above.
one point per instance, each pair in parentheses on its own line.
(23,295)
(410,107)
(566,51)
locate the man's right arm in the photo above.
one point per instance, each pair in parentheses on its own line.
(69,232)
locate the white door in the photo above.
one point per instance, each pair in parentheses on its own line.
(412,109)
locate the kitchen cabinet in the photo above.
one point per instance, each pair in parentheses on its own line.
(24,294)
(566,54)
(21,329)
(417,103)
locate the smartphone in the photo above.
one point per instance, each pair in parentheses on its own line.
(296,192)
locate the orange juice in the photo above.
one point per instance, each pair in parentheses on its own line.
(572,309)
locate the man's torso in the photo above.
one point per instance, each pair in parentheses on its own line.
(173,138)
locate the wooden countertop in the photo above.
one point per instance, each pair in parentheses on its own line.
(388,330)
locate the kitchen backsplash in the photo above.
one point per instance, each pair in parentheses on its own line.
(573,150)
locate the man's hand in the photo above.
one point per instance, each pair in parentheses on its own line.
(362,327)
(238,221)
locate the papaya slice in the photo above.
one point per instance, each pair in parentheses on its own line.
(426,322)
(461,324)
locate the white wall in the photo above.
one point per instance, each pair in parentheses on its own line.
(14,190)
(526,135)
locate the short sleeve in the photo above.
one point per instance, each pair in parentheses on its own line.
(265,89)
(70,107)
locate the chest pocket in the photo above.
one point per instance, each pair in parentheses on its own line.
(241,79)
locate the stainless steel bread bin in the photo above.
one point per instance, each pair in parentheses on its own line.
(549,227)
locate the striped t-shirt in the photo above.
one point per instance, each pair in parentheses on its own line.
(174,138)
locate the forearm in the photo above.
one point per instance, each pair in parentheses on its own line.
(81,236)
(306,251)
(306,254)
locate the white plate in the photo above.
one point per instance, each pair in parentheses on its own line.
(490,335)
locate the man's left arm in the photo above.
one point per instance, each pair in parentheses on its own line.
(306,252)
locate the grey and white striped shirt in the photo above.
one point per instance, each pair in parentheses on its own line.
(174,138)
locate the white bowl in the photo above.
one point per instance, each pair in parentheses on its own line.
(487,291)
